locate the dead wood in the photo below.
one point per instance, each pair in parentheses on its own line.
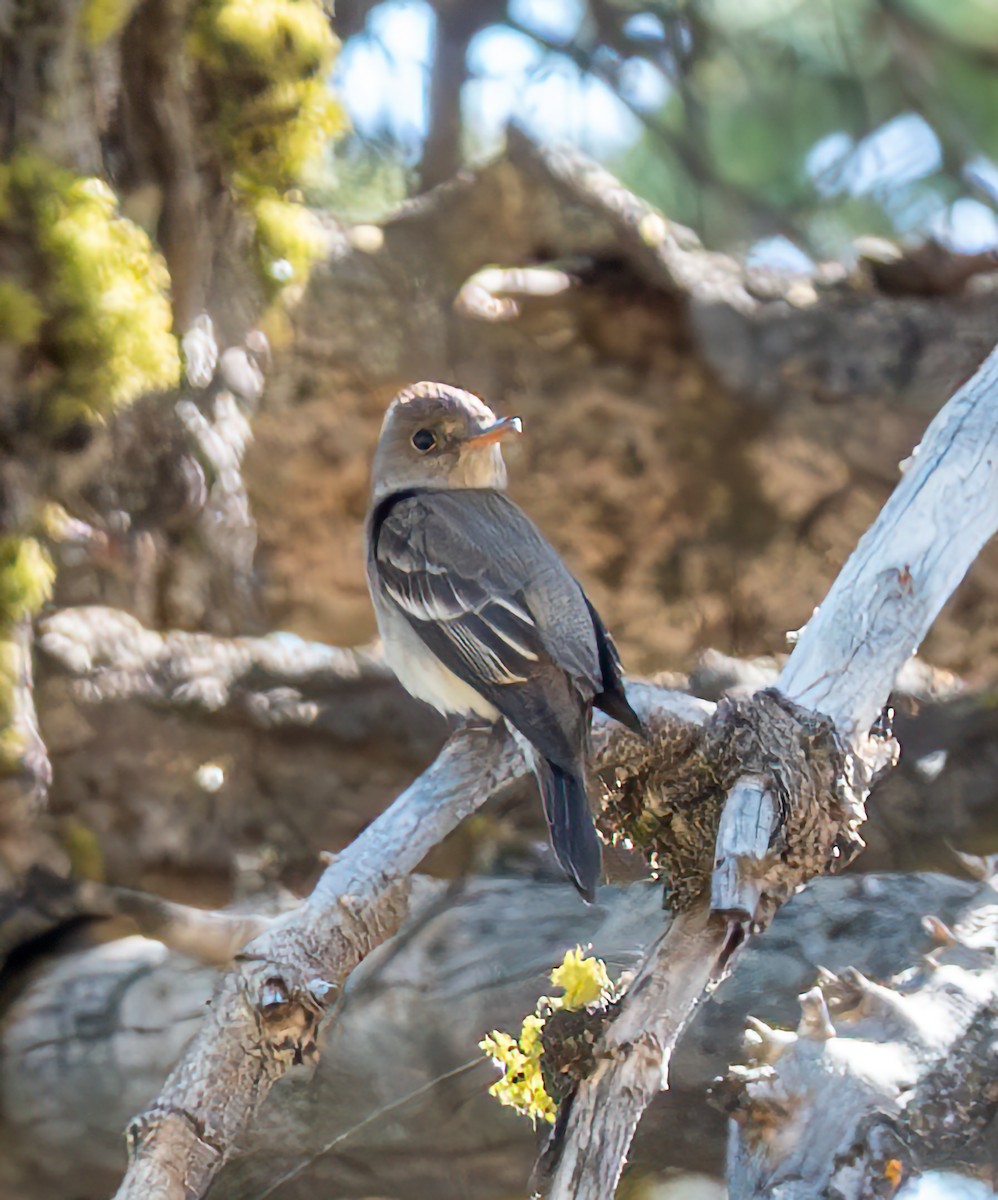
(397,1103)
(881,1082)
(843,667)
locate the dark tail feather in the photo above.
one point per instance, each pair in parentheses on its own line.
(573,837)
(612,698)
(613,701)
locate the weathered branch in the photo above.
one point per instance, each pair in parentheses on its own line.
(104,1026)
(906,566)
(120,684)
(843,666)
(272,681)
(879,1082)
(634,1054)
(264,1013)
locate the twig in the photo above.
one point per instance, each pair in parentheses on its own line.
(207,935)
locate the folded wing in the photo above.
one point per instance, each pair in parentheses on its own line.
(491,598)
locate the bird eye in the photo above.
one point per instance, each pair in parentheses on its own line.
(423,440)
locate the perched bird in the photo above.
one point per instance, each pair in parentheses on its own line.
(477,613)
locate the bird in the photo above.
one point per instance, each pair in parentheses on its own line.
(477,613)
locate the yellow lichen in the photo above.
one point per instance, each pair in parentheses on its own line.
(283,39)
(278,133)
(104,317)
(269,61)
(522,1084)
(26,578)
(11,734)
(20,314)
(12,740)
(585,982)
(289,240)
(102,19)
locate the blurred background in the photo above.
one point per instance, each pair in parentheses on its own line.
(784,129)
(726,260)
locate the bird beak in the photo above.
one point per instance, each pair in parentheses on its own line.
(495,432)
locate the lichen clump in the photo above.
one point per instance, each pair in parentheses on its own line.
(289,241)
(26,578)
(268,61)
(102,19)
(586,985)
(94,330)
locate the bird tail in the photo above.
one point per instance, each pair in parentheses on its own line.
(570,823)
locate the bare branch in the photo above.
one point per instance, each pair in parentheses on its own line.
(105,1025)
(275,680)
(634,1056)
(844,665)
(264,1013)
(906,566)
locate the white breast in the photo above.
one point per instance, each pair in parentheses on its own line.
(422,674)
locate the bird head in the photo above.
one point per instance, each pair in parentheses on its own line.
(436,436)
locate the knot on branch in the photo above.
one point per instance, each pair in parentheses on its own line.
(671,801)
(286,1013)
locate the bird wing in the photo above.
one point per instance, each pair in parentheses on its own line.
(492,600)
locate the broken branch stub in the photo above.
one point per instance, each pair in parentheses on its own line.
(744,834)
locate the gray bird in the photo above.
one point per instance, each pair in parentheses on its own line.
(477,613)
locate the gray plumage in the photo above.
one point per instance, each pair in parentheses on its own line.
(477,612)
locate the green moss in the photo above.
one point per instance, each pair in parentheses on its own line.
(102,19)
(86,856)
(269,61)
(102,298)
